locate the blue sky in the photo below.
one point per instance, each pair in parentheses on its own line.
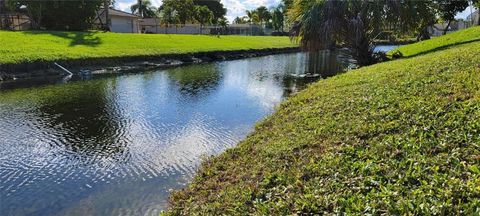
(235,7)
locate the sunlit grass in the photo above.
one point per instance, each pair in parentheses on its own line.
(396,138)
(31,46)
(452,39)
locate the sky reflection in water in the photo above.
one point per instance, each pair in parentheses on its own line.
(116,145)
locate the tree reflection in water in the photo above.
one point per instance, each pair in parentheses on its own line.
(327,63)
(196,81)
(87,123)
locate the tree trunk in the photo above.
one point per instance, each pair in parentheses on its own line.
(446,28)
(140,9)
(359,42)
(363,53)
(423,35)
(106,7)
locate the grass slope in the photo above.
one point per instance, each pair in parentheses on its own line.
(435,44)
(19,47)
(401,137)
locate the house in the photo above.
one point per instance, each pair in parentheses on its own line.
(471,20)
(474,18)
(438,28)
(118,21)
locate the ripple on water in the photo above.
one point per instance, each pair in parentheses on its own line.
(117,145)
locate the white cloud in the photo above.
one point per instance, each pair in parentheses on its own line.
(464,14)
(124,6)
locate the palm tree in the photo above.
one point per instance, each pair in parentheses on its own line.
(263,14)
(252,16)
(223,23)
(278,18)
(238,20)
(322,24)
(144,9)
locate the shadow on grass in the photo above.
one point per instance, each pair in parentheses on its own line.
(444,47)
(76,38)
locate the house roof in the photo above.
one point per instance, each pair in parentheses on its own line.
(114,12)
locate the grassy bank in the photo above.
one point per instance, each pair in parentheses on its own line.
(443,42)
(31,46)
(400,137)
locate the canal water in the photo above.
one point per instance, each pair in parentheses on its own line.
(117,145)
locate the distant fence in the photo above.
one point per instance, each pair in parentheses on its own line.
(174,29)
(14,22)
(149,26)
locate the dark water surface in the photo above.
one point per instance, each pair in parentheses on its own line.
(116,145)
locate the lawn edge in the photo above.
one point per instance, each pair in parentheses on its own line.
(25,70)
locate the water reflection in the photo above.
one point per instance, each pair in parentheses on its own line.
(116,145)
(326,63)
(90,126)
(196,81)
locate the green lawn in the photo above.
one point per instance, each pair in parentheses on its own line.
(434,44)
(396,138)
(30,46)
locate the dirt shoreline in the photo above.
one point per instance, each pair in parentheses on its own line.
(126,64)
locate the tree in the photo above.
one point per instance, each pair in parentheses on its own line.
(278,18)
(75,15)
(241,20)
(322,24)
(424,14)
(35,10)
(219,11)
(4,21)
(237,20)
(203,15)
(263,14)
(287,4)
(223,23)
(184,9)
(449,9)
(144,9)
(167,16)
(60,15)
(252,17)
(476,3)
